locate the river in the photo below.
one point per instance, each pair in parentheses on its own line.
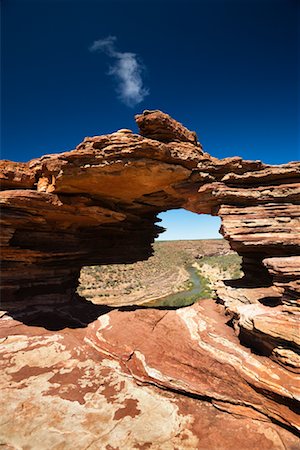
(182,298)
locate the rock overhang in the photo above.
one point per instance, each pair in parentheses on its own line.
(98,204)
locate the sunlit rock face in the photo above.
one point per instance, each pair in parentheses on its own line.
(153,379)
(98,204)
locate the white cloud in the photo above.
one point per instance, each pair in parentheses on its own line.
(126,69)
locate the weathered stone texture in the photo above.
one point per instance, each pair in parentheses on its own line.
(98,204)
(100,387)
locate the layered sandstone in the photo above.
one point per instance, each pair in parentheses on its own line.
(98,204)
(139,379)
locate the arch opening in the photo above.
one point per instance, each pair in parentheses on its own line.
(182,224)
(189,258)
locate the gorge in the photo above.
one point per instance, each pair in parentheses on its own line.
(228,375)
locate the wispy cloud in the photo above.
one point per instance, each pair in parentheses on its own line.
(126,69)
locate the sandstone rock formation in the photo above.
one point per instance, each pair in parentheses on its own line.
(152,379)
(98,204)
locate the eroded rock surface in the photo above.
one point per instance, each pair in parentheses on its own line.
(98,204)
(120,383)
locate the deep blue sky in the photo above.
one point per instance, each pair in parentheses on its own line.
(225,68)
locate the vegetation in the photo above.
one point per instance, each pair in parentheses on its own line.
(205,291)
(230,264)
(178,274)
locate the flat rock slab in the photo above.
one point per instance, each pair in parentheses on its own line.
(108,386)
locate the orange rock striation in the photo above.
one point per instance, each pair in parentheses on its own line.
(187,385)
(98,204)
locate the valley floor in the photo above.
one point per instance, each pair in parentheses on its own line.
(166,273)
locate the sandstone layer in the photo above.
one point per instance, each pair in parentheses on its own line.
(153,379)
(98,204)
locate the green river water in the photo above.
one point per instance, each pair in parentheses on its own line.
(182,298)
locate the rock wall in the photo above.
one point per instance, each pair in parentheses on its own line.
(98,204)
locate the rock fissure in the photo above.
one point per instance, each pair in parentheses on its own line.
(222,404)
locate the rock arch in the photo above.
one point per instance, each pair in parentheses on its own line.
(98,204)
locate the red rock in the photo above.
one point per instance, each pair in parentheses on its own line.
(134,390)
(16,175)
(207,360)
(161,127)
(286,275)
(98,204)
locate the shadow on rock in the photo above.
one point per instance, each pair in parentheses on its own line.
(144,307)
(76,314)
